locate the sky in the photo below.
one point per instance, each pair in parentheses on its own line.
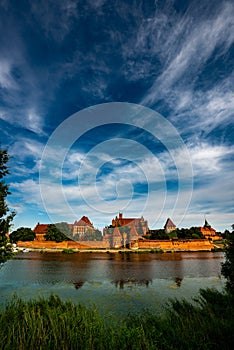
(118,106)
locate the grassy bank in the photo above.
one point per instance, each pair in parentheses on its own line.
(53,324)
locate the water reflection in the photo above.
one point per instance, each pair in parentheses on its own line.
(78,284)
(178,281)
(131,282)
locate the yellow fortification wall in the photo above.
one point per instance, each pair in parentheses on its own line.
(180,245)
(170,245)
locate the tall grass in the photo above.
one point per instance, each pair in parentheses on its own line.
(54,324)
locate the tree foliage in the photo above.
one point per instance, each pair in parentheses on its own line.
(64,228)
(189,233)
(158,234)
(22,234)
(182,233)
(54,234)
(228,265)
(6,216)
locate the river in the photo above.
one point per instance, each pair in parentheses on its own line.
(116,283)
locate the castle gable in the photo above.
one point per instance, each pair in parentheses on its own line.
(40,230)
(84,221)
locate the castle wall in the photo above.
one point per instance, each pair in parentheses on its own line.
(177,245)
(170,245)
(51,245)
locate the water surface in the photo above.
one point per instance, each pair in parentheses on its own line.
(115,283)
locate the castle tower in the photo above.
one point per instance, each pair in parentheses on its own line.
(116,238)
(169,226)
(133,235)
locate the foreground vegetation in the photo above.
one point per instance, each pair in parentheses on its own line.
(53,324)
(6,215)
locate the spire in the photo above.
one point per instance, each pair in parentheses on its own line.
(116,232)
(206,224)
(133,233)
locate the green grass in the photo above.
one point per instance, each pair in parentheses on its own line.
(54,324)
(218,249)
(68,251)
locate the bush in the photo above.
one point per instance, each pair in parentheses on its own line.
(68,251)
(22,234)
(195,236)
(228,265)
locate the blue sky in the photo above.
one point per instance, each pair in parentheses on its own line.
(174,58)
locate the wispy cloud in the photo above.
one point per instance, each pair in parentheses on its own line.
(56,58)
(188,48)
(6,79)
(55,19)
(27,191)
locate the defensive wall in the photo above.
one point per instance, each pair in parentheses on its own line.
(168,245)
(175,245)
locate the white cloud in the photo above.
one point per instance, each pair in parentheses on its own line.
(6,79)
(190,48)
(28,192)
(26,118)
(25,157)
(24,147)
(34,122)
(207,159)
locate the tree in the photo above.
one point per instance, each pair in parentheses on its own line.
(64,228)
(54,234)
(22,234)
(228,265)
(6,216)
(196,232)
(188,233)
(158,234)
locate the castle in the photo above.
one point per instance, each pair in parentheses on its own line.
(125,233)
(209,232)
(140,224)
(81,227)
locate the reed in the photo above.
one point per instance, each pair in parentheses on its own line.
(54,324)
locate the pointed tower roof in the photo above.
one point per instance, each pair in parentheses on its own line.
(116,232)
(169,223)
(206,224)
(133,234)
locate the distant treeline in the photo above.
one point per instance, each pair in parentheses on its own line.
(190,233)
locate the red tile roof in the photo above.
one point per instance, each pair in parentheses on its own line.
(84,221)
(41,229)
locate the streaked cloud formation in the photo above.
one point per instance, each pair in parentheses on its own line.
(175,57)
